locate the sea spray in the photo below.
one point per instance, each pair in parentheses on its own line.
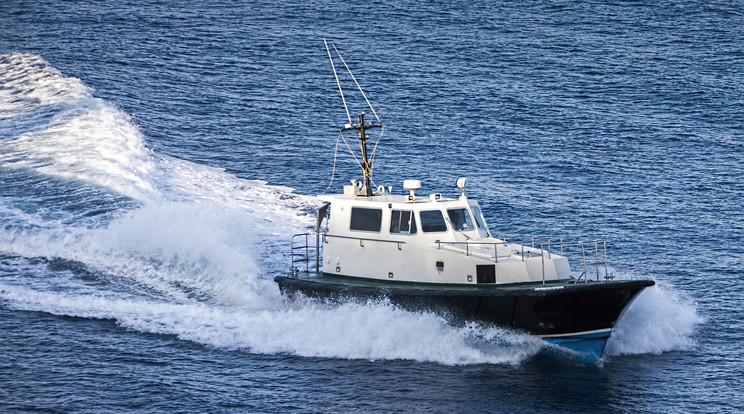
(369,330)
(660,319)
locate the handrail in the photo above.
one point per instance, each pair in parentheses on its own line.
(467,250)
(467,247)
(363,238)
(583,254)
(306,257)
(293,269)
(473,242)
(549,243)
(520,238)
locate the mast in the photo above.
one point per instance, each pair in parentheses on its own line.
(361,128)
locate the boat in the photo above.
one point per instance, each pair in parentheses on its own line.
(437,253)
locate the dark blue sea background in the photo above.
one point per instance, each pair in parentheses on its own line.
(156,158)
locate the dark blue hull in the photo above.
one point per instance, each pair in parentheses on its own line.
(577,316)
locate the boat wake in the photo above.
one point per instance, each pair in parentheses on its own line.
(97,225)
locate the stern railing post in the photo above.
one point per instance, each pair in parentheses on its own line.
(596,256)
(583,257)
(542,259)
(607,275)
(317,252)
(307,254)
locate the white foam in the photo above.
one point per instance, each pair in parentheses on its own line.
(56,127)
(28,81)
(239,309)
(196,227)
(357,331)
(660,319)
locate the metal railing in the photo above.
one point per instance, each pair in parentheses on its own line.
(582,243)
(364,239)
(471,249)
(302,253)
(470,246)
(530,239)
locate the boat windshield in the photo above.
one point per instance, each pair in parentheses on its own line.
(460,219)
(479,218)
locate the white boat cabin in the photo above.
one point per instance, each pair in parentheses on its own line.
(431,239)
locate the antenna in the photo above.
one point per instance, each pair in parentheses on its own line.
(361,126)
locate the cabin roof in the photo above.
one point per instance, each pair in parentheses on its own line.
(384,199)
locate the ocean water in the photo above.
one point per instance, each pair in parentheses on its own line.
(155,160)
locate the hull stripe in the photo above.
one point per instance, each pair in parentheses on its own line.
(597,333)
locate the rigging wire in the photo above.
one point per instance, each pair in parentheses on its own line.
(350,150)
(372,160)
(333,172)
(337,81)
(335,157)
(355,81)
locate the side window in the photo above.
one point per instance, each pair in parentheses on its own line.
(460,219)
(366,219)
(432,221)
(402,222)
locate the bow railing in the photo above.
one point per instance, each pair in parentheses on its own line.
(532,247)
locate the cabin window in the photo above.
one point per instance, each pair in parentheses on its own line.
(366,219)
(402,222)
(432,221)
(460,219)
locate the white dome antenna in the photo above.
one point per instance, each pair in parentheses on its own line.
(411,186)
(461,185)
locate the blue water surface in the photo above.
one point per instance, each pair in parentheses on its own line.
(156,158)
